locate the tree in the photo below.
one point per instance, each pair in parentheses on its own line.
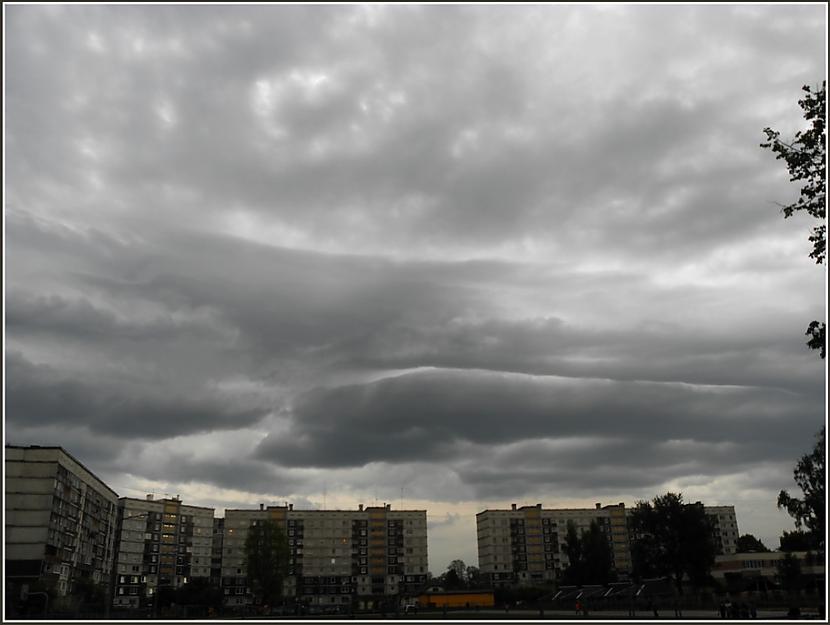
(88,593)
(590,560)
(573,574)
(675,537)
(748,542)
(797,540)
(199,591)
(451,581)
(266,557)
(597,559)
(475,578)
(460,569)
(789,572)
(809,512)
(806,160)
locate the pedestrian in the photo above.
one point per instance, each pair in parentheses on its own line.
(722,609)
(753,612)
(578,607)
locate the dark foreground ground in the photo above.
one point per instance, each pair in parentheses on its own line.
(553,615)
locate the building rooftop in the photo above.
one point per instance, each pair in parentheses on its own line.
(68,455)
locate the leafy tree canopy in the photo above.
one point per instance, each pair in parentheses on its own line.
(590,560)
(797,540)
(748,542)
(672,538)
(809,512)
(806,160)
(266,558)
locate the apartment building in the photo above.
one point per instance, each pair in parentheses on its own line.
(161,543)
(336,556)
(526,545)
(724,528)
(60,520)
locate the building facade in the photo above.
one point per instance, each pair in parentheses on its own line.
(526,545)
(760,571)
(60,520)
(337,557)
(161,543)
(724,528)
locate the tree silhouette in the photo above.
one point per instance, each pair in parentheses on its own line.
(675,537)
(748,542)
(266,557)
(806,160)
(810,511)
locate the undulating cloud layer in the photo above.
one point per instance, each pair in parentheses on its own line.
(439,256)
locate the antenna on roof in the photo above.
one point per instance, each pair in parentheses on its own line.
(401,497)
(325,490)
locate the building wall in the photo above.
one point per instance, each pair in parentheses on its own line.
(724,528)
(764,564)
(526,545)
(335,555)
(457,599)
(59,519)
(161,543)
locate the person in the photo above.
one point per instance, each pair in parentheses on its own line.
(722,609)
(578,607)
(753,612)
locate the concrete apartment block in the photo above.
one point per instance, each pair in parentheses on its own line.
(525,545)
(160,543)
(60,519)
(724,528)
(336,556)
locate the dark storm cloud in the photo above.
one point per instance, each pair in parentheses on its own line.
(220,213)
(238,474)
(426,415)
(39,395)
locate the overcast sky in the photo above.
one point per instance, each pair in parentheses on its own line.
(450,257)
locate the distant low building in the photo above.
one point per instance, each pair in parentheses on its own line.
(60,520)
(457,599)
(759,570)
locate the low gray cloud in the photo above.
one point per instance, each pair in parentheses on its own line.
(472,252)
(40,395)
(427,415)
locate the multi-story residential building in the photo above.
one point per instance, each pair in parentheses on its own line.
(336,556)
(60,519)
(724,528)
(160,543)
(526,545)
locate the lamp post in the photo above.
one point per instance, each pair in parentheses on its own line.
(113,571)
